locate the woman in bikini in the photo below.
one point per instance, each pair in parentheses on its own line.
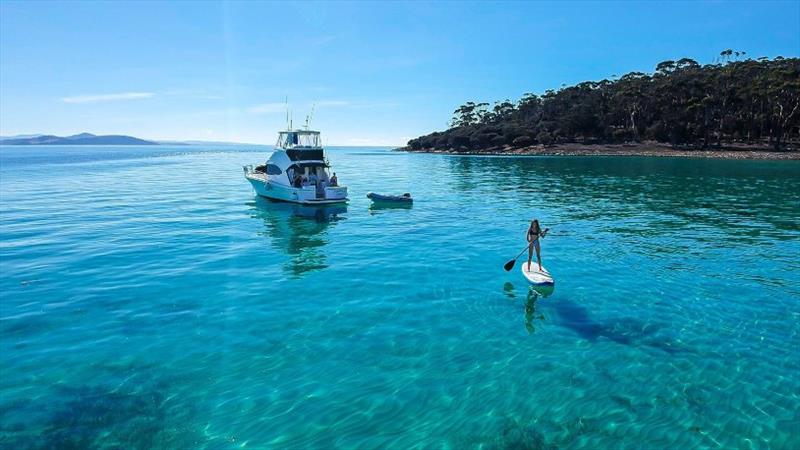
(534,233)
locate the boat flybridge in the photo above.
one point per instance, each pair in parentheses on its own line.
(296,171)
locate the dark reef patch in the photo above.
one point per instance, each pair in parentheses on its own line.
(626,330)
(137,414)
(511,435)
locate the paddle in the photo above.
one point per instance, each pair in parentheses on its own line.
(510,264)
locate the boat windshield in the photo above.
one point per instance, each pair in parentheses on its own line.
(298,139)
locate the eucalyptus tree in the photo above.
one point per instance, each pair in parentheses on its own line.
(682,102)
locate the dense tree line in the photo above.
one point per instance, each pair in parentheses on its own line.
(682,103)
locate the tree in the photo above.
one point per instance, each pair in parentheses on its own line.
(522,141)
(544,138)
(682,102)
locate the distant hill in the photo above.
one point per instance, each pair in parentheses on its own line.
(92,139)
(19,136)
(77,139)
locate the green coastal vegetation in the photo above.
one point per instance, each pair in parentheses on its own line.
(734,101)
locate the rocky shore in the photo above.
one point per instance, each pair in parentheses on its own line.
(639,149)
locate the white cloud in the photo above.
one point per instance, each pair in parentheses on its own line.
(193,93)
(107,97)
(267,108)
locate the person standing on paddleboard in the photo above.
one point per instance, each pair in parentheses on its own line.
(534,233)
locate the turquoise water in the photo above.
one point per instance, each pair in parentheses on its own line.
(149,300)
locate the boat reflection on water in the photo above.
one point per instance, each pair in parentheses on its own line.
(299,231)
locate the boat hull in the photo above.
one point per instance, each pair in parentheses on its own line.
(306,195)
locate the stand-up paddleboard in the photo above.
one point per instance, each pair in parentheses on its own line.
(535,276)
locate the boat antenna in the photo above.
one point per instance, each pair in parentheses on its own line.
(288,114)
(310,116)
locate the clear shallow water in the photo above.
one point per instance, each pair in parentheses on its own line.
(149,300)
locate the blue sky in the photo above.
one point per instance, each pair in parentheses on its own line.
(379,72)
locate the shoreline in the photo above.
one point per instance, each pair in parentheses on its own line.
(648,149)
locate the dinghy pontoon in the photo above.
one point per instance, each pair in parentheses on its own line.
(405,198)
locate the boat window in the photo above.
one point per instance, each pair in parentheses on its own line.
(308,140)
(272,169)
(298,139)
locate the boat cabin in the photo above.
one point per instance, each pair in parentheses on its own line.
(300,139)
(301,145)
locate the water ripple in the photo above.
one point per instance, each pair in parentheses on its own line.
(149,300)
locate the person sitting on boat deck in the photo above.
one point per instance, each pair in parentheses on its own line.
(534,233)
(334,180)
(298,181)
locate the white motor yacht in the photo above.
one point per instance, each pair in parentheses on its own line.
(297,171)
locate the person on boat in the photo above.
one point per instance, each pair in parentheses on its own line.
(312,179)
(298,181)
(534,233)
(334,180)
(320,188)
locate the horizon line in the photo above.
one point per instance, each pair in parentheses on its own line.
(168,140)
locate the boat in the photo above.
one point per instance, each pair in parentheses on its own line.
(297,171)
(405,198)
